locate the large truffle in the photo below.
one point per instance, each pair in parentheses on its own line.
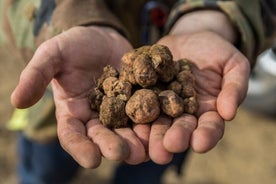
(143,106)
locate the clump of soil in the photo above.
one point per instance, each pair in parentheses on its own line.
(150,83)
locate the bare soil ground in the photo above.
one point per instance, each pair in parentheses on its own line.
(245,155)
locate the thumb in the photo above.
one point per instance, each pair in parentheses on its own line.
(35,78)
(234,90)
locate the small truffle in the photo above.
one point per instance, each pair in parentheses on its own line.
(176,87)
(112,112)
(162,62)
(145,74)
(113,87)
(108,71)
(95,98)
(171,103)
(187,81)
(183,64)
(127,61)
(191,105)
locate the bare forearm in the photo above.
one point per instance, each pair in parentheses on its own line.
(206,20)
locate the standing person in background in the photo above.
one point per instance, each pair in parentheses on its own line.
(73,39)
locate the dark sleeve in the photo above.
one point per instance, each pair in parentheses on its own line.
(269,16)
(59,15)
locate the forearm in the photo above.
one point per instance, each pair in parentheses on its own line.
(206,20)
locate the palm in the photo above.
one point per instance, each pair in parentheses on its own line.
(221,73)
(81,62)
(72,61)
(217,66)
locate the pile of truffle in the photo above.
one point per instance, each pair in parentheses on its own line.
(149,83)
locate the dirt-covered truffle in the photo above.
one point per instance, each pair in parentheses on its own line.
(108,71)
(191,105)
(182,64)
(187,81)
(171,103)
(113,87)
(127,61)
(162,61)
(112,112)
(143,106)
(145,74)
(176,87)
(95,97)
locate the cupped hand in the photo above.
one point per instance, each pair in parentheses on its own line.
(222,74)
(72,61)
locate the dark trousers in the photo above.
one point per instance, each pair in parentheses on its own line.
(50,164)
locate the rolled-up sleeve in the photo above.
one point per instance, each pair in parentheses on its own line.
(70,13)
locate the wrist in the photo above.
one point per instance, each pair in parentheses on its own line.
(206,20)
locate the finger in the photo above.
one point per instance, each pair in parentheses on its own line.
(234,86)
(228,101)
(142,132)
(157,151)
(72,136)
(112,146)
(177,138)
(209,131)
(37,75)
(137,150)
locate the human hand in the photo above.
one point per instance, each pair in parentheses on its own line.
(222,74)
(72,61)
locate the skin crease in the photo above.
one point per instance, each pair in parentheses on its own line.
(222,74)
(60,62)
(71,60)
(220,89)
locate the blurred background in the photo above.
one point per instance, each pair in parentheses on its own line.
(246,154)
